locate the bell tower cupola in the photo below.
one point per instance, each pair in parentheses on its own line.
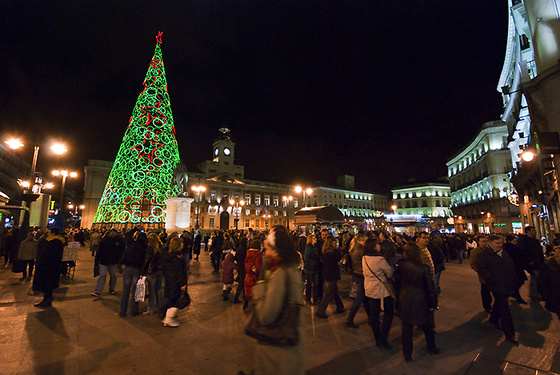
(223,149)
(222,166)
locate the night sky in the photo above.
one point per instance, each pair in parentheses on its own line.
(383,90)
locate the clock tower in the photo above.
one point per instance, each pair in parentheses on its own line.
(222,165)
(223,148)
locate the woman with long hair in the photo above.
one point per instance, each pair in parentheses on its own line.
(175,275)
(153,272)
(356,253)
(331,272)
(282,283)
(417,299)
(377,272)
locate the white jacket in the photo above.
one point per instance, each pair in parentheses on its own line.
(374,287)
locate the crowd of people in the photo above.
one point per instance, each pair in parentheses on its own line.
(392,275)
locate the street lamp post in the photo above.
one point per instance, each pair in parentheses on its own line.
(237,206)
(266,218)
(298,189)
(287,199)
(64,174)
(14,144)
(75,214)
(198,189)
(29,186)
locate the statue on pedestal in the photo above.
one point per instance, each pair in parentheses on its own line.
(180,178)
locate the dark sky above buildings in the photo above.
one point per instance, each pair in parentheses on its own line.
(384,90)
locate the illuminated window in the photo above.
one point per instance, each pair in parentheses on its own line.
(211,222)
(257,200)
(247,199)
(267,200)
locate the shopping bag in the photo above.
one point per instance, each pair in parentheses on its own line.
(140,293)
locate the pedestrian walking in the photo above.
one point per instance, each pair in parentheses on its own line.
(356,253)
(549,282)
(331,273)
(282,284)
(497,270)
(417,299)
(111,248)
(49,264)
(133,260)
(175,281)
(377,272)
(26,255)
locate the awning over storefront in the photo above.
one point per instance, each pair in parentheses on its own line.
(319,215)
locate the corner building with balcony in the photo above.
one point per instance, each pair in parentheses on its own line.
(536,180)
(480,187)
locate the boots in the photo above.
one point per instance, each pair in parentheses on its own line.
(169,320)
(225,293)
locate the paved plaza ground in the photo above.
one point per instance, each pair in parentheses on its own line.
(82,335)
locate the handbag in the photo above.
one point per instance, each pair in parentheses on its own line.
(353,290)
(282,332)
(140,293)
(184,300)
(388,285)
(95,271)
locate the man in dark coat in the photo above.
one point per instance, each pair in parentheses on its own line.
(532,250)
(196,244)
(482,241)
(496,268)
(49,262)
(388,248)
(109,252)
(519,262)
(438,260)
(549,282)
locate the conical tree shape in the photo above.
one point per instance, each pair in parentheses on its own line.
(140,180)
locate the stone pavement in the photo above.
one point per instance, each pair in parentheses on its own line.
(81,334)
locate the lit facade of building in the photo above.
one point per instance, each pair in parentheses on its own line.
(360,208)
(228,200)
(480,185)
(419,207)
(96,174)
(536,179)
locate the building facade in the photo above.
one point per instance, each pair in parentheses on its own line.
(227,200)
(361,209)
(480,185)
(536,177)
(419,207)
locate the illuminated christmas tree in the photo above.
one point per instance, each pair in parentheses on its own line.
(140,180)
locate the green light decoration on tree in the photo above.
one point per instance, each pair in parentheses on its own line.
(140,180)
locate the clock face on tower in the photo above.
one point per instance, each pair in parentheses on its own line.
(216,152)
(227,151)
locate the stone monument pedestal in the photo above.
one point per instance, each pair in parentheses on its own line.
(178,214)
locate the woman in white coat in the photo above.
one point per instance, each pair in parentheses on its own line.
(376,272)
